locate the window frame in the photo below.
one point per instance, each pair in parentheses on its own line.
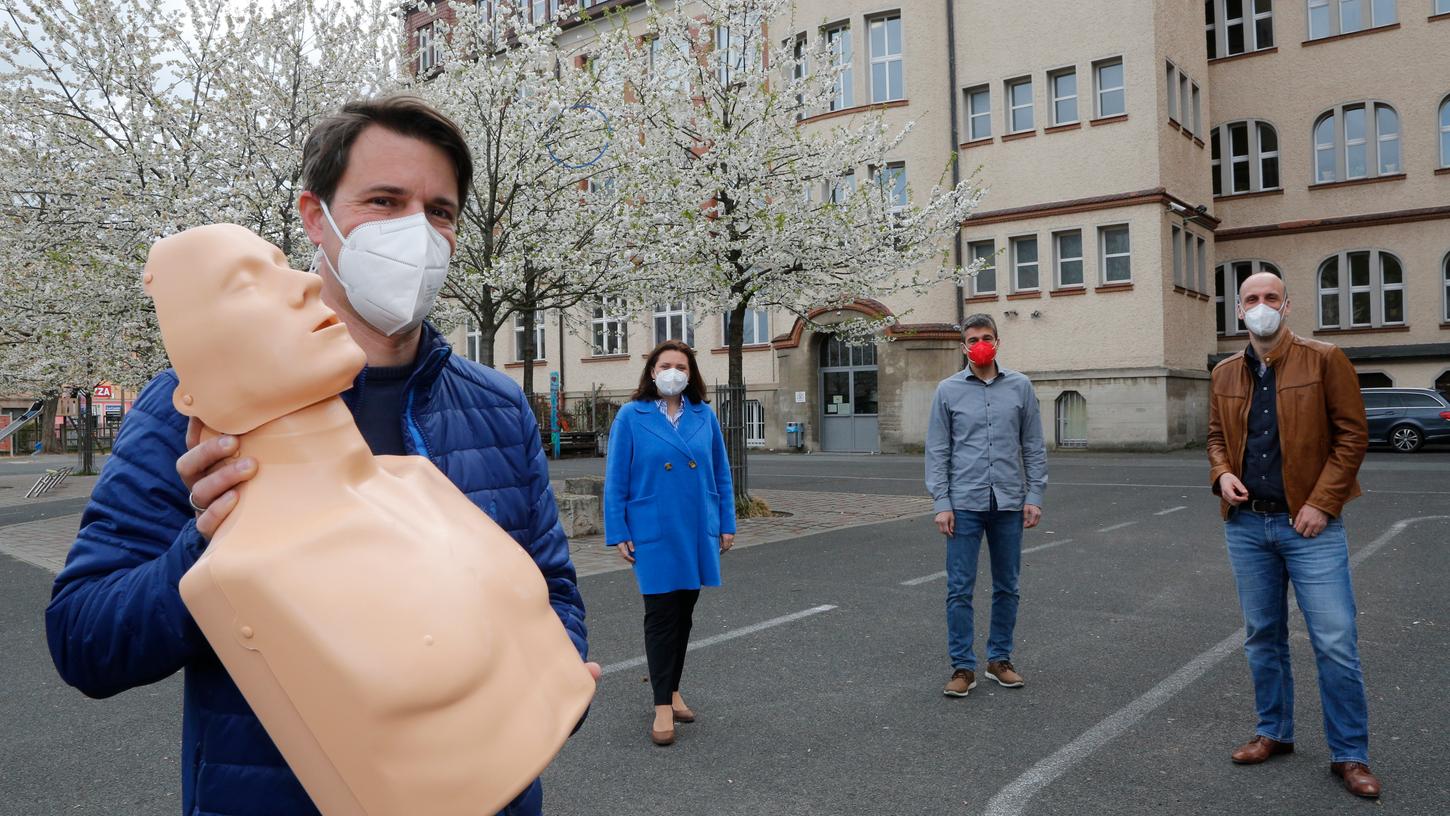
(1373,141)
(472,340)
(1100,91)
(973,92)
(425,49)
(1058,259)
(1104,256)
(1009,85)
(991,244)
(1445,285)
(756,320)
(540,337)
(1053,99)
(1345,290)
(844,94)
(1223,158)
(1218,31)
(609,331)
(1179,245)
(887,59)
(1197,129)
(1333,16)
(879,177)
(670,311)
(1013,244)
(1172,90)
(1444,124)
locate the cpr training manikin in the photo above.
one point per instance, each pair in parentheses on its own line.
(397,645)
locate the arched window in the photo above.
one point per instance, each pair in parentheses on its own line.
(1361,289)
(1245,157)
(1072,420)
(1357,140)
(1227,280)
(1445,132)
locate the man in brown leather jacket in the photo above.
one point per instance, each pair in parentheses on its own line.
(1286,436)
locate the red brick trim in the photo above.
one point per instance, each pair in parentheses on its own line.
(852,111)
(1173,123)
(1113,287)
(1328,185)
(975,143)
(792,339)
(1068,292)
(1187,134)
(1362,330)
(1351,35)
(1061,128)
(1156,195)
(1012,137)
(1025,295)
(1443,171)
(992,298)
(1245,55)
(1436,17)
(1108,120)
(1198,141)
(1323,224)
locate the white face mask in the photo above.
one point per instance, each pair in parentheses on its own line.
(391,270)
(1263,320)
(671,382)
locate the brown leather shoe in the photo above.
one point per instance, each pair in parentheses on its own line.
(662,738)
(1004,674)
(961,684)
(1358,779)
(684,715)
(1259,749)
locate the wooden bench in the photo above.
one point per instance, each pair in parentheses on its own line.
(571,442)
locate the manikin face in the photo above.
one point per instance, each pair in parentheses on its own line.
(249,336)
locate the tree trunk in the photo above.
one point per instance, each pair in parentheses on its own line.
(530,317)
(49,439)
(87,439)
(735,432)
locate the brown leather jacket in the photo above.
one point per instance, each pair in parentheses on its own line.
(1322,430)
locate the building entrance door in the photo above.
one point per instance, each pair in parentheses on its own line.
(849,398)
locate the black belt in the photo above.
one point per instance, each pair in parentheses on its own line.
(1266,506)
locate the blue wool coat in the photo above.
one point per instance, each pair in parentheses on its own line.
(116,620)
(668,490)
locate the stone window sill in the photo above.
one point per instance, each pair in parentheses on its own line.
(1363,330)
(1351,35)
(1114,287)
(1245,55)
(1356,182)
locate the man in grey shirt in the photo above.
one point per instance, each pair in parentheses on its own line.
(986,468)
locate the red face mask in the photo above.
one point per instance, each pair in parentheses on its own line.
(982,353)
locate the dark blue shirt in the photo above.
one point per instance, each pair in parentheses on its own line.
(380,408)
(1263,459)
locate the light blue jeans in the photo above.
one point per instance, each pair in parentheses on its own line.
(1266,555)
(1003,529)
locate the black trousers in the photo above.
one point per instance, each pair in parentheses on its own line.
(668,617)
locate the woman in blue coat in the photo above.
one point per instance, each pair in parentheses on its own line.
(669,507)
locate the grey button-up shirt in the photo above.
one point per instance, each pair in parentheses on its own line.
(985,439)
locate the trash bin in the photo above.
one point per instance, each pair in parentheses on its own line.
(795,435)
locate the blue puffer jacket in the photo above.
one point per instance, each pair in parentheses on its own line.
(116,620)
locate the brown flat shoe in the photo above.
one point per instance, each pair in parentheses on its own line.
(1259,749)
(662,738)
(1357,779)
(684,715)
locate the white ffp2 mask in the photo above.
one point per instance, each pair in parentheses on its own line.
(671,382)
(1263,320)
(391,271)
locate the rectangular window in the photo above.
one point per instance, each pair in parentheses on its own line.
(673,321)
(985,281)
(1024,264)
(887,80)
(1197,112)
(1238,145)
(892,179)
(1019,105)
(538,11)
(1116,259)
(426,56)
(473,336)
(839,40)
(1233,26)
(1172,73)
(1351,16)
(1202,264)
(1067,251)
(979,113)
(610,332)
(1184,99)
(1263,24)
(1319,25)
(1386,12)
(1063,86)
(1111,93)
(519,334)
(843,187)
(1442,6)
(1210,26)
(799,69)
(1356,145)
(756,329)
(1445,128)
(1178,278)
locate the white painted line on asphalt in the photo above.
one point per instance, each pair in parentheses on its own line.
(925,578)
(1121,484)
(1117,526)
(1171,510)
(724,636)
(1010,800)
(936,576)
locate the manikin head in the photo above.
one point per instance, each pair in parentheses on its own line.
(248,335)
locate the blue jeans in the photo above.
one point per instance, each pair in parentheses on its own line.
(1003,529)
(1266,555)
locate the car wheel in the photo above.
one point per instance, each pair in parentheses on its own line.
(1406,438)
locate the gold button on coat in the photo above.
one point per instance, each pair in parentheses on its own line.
(669,466)
(692,464)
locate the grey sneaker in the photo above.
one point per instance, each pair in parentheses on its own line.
(962,682)
(1004,674)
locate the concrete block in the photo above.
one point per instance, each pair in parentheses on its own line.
(585,486)
(581,515)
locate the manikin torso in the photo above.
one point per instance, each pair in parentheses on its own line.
(397,645)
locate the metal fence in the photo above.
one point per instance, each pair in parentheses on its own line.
(730,408)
